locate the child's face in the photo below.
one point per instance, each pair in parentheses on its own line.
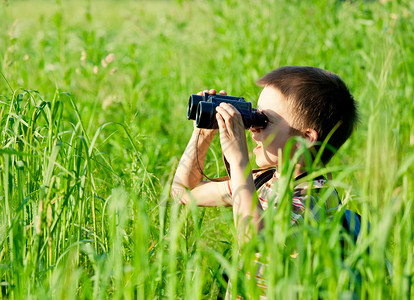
(278,130)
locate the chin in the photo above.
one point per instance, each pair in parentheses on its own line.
(265,159)
(262,164)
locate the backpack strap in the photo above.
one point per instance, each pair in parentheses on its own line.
(263,178)
(352,223)
(268,174)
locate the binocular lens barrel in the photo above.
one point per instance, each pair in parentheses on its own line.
(258,119)
(206,115)
(202,109)
(192,106)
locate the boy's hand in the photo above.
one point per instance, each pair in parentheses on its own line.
(232,134)
(208,132)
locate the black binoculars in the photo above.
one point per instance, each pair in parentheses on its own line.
(202,109)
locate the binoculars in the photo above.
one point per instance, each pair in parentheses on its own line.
(202,109)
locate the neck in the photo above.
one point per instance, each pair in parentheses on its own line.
(299,170)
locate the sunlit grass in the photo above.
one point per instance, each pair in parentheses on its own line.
(93,102)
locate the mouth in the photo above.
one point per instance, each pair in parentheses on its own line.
(257,147)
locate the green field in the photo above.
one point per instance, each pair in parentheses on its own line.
(93,98)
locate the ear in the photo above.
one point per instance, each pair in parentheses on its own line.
(311,136)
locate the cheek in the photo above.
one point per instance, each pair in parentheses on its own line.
(266,158)
(277,143)
(277,138)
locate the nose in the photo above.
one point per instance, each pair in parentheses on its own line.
(255,129)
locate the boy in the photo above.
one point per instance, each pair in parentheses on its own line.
(298,101)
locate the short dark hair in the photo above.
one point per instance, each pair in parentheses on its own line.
(319,99)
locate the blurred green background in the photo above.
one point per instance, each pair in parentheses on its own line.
(135,63)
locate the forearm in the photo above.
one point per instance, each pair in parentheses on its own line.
(188,174)
(245,210)
(188,181)
(234,146)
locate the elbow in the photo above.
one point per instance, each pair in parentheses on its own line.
(178,193)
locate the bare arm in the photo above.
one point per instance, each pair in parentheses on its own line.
(188,181)
(234,146)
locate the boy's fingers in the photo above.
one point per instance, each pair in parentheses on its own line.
(225,115)
(220,122)
(231,115)
(232,111)
(212,92)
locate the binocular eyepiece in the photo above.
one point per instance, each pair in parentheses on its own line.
(202,109)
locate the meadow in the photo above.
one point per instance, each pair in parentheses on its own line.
(93,99)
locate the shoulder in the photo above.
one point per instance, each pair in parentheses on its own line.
(320,193)
(315,185)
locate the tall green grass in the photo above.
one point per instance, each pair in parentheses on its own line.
(92,124)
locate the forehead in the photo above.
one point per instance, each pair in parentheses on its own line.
(272,101)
